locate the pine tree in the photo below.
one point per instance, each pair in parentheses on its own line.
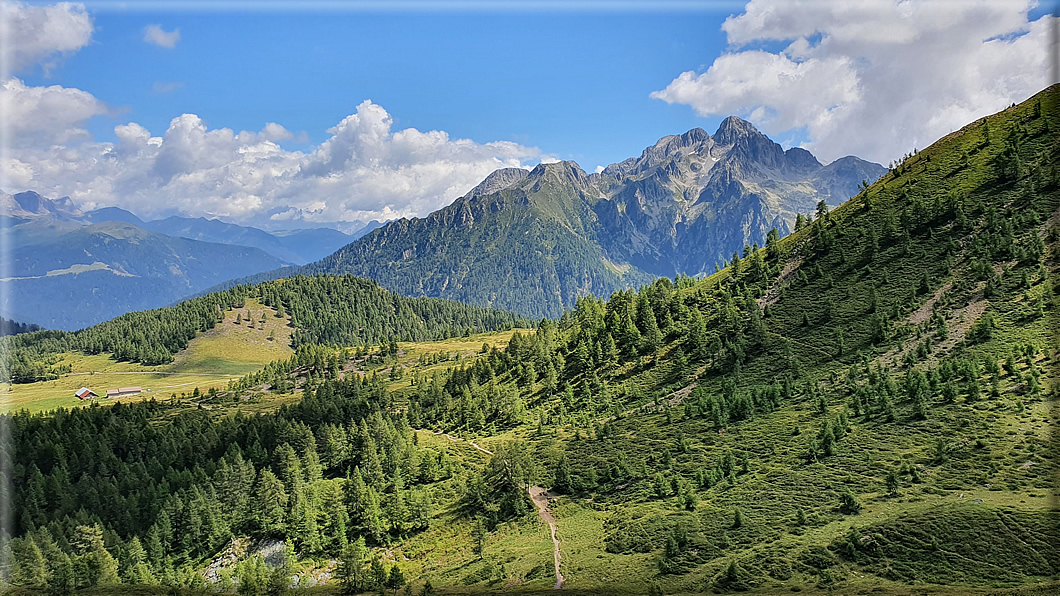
(271,500)
(563,475)
(773,245)
(479,533)
(651,338)
(892,483)
(849,504)
(351,572)
(93,564)
(608,351)
(29,568)
(395,580)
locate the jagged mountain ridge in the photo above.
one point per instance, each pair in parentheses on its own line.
(689,201)
(533,242)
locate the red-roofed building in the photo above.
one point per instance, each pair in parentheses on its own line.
(85,393)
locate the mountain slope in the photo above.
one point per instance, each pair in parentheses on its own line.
(525,248)
(868,405)
(66,275)
(298,247)
(865,406)
(534,242)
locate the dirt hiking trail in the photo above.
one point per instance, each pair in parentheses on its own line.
(540,497)
(537,494)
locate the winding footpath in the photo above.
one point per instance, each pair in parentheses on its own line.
(537,494)
(540,498)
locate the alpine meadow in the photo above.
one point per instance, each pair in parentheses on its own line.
(516,332)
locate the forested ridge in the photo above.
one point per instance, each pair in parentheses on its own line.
(516,249)
(810,417)
(9,327)
(332,310)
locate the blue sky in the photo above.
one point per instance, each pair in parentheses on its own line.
(278,115)
(575,85)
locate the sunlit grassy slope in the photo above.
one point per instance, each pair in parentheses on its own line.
(976,509)
(955,495)
(214,357)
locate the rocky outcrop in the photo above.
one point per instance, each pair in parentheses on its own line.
(533,242)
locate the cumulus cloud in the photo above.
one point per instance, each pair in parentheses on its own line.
(364,170)
(874,78)
(35,116)
(158,36)
(41,35)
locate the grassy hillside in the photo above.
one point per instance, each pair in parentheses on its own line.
(865,406)
(211,360)
(331,310)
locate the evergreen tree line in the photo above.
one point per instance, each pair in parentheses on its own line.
(333,310)
(104,494)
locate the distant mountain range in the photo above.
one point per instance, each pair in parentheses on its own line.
(294,246)
(530,242)
(70,269)
(534,241)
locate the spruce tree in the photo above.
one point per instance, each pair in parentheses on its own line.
(351,572)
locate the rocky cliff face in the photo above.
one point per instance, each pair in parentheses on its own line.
(533,241)
(690,201)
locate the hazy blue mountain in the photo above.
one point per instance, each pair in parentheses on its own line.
(294,246)
(68,276)
(68,269)
(29,205)
(113,214)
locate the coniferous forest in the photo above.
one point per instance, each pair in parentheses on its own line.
(324,310)
(867,404)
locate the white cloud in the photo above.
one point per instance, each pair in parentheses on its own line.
(42,34)
(158,36)
(363,170)
(874,78)
(35,116)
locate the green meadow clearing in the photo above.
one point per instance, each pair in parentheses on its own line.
(226,352)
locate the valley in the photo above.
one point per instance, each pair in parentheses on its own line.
(867,404)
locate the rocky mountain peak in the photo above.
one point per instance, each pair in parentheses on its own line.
(30,204)
(499,180)
(564,171)
(801,159)
(733,129)
(748,146)
(693,137)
